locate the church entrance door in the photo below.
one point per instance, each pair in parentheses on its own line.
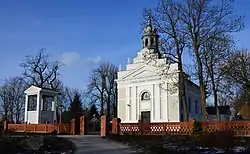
(145,119)
(145,116)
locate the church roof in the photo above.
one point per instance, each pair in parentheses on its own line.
(211,110)
(36,89)
(193,84)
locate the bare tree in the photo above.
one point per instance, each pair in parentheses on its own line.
(215,52)
(237,71)
(67,95)
(204,21)
(40,70)
(110,87)
(236,77)
(6,103)
(12,94)
(166,18)
(190,24)
(102,87)
(96,86)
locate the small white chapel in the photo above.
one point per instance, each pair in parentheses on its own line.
(40,105)
(148,87)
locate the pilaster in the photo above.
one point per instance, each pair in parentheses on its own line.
(153,103)
(161,101)
(54,102)
(38,111)
(26,108)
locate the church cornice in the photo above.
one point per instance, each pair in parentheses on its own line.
(141,80)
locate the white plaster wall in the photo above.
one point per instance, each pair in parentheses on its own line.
(193,93)
(32,117)
(163,104)
(121,105)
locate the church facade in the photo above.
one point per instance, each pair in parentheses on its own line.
(148,88)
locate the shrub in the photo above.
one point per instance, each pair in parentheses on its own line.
(54,132)
(220,139)
(197,128)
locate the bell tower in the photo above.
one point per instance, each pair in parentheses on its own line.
(150,37)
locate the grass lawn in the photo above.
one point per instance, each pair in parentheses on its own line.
(219,142)
(25,144)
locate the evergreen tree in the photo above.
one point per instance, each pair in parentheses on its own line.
(75,108)
(93,111)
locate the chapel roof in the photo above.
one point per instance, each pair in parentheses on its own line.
(211,110)
(35,89)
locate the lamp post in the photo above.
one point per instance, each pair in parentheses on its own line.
(61,112)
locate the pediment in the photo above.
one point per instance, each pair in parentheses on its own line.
(141,72)
(32,89)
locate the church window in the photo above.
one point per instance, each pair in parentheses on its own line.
(196,106)
(152,41)
(189,105)
(146,42)
(145,96)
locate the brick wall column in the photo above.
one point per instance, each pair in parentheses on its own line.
(82,131)
(5,127)
(103,126)
(116,126)
(73,127)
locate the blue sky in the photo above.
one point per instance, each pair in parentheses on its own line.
(80,33)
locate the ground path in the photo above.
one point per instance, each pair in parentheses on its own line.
(94,144)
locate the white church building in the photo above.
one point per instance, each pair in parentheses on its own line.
(148,87)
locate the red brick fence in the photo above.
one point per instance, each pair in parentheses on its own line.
(37,128)
(49,128)
(238,128)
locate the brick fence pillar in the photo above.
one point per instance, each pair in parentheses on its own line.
(82,131)
(5,127)
(73,127)
(116,126)
(103,126)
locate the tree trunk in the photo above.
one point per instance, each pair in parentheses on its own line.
(102,94)
(5,115)
(215,97)
(182,93)
(202,87)
(102,103)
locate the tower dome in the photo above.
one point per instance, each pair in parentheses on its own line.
(149,30)
(150,36)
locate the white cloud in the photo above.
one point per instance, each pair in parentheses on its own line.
(92,60)
(74,59)
(69,58)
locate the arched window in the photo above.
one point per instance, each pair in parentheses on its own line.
(146,42)
(152,41)
(145,96)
